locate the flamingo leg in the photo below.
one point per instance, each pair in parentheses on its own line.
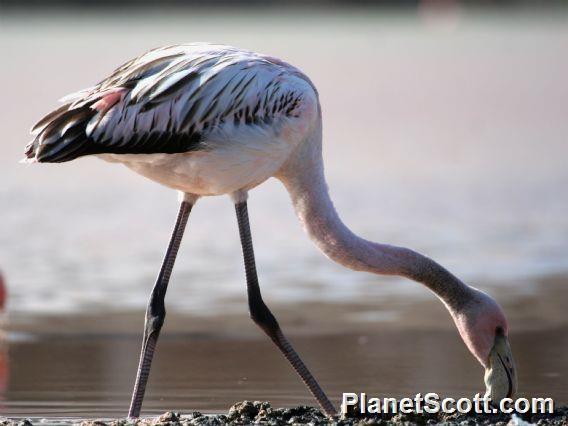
(262,316)
(156,311)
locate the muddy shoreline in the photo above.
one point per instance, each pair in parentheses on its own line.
(247,412)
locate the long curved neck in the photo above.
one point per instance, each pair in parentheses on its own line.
(303,177)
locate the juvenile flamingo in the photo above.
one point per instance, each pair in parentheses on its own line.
(209,119)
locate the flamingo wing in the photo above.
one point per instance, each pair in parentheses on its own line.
(166,101)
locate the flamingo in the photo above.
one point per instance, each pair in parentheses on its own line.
(208,119)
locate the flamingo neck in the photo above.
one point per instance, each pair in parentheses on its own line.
(310,197)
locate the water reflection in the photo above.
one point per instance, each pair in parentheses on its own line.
(92,377)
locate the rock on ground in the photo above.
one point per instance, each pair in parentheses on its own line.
(261,413)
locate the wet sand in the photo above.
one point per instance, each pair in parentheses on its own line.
(249,412)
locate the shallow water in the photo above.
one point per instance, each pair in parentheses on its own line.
(450,140)
(445,135)
(84,365)
(92,377)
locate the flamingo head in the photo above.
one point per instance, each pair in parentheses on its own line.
(484,329)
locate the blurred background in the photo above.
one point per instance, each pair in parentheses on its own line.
(445,130)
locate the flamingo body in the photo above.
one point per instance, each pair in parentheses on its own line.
(203,119)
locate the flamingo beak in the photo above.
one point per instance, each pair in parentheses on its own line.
(500,373)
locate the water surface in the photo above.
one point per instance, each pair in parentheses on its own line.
(448,136)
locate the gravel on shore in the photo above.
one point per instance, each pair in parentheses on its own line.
(247,412)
